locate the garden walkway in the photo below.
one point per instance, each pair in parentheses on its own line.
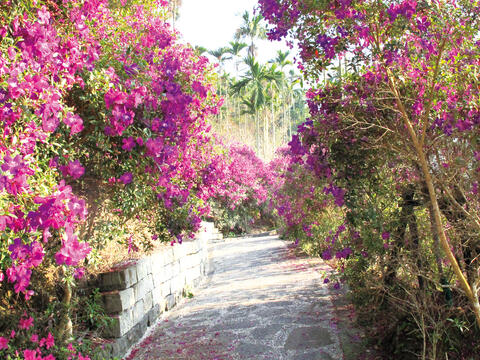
(259,302)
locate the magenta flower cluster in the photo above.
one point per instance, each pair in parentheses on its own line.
(152,98)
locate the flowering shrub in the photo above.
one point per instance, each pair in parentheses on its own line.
(241,199)
(100,109)
(394,141)
(302,203)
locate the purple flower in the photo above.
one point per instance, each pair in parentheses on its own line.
(385,235)
(126,178)
(74,122)
(327,255)
(128,144)
(79,273)
(13,165)
(73,169)
(113,97)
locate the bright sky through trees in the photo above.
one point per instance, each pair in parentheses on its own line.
(212,24)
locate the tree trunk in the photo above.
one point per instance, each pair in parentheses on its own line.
(423,163)
(65,328)
(265,135)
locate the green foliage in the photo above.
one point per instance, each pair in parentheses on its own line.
(89,312)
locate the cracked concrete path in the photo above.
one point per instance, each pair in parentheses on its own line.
(260,302)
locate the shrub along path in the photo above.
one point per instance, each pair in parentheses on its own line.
(260,302)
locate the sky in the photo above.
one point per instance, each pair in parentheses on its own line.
(212,24)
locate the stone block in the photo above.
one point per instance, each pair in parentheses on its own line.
(138,311)
(118,301)
(143,324)
(170,302)
(168,255)
(142,269)
(166,288)
(118,280)
(192,274)
(122,323)
(178,251)
(157,293)
(178,283)
(119,347)
(193,260)
(157,280)
(134,334)
(167,273)
(148,302)
(162,306)
(143,287)
(153,314)
(188,246)
(157,260)
(176,268)
(197,281)
(207,226)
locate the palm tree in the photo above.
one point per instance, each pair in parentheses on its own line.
(219,54)
(281,59)
(273,90)
(253,29)
(199,50)
(256,80)
(234,50)
(173,9)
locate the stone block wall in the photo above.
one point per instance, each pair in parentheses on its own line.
(135,295)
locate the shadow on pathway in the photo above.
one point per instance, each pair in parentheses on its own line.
(260,302)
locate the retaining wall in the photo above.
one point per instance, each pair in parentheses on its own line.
(136,295)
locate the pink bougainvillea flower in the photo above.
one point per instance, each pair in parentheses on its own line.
(3,343)
(28,294)
(74,122)
(128,143)
(43,16)
(79,273)
(34,338)
(74,169)
(30,355)
(49,341)
(115,97)
(72,251)
(77,207)
(12,165)
(25,324)
(126,178)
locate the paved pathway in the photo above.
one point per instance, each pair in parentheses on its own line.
(261,302)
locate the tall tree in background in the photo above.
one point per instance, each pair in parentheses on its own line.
(257,79)
(173,9)
(260,107)
(251,28)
